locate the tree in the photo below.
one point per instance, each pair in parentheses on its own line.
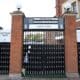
(1,28)
(34,37)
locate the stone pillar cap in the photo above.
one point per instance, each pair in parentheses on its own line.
(69,13)
(17,13)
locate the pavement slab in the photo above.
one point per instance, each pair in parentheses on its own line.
(29,78)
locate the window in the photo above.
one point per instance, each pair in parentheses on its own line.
(74,7)
(79,8)
(78,35)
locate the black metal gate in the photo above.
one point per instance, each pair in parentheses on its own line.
(44,48)
(44,53)
(4,58)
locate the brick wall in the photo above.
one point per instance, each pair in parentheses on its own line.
(78,24)
(49,37)
(59,7)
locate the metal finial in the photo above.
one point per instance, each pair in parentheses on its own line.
(18,7)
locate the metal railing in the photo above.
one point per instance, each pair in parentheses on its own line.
(4,58)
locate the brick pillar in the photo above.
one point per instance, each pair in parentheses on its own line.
(16,43)
(71,57)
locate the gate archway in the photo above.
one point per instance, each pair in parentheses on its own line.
(44,47)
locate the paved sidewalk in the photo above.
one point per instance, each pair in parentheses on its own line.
(5,77)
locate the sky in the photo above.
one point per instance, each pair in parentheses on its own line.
(31,8)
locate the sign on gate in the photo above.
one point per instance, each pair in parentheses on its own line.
(43,23)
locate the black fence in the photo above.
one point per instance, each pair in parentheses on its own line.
(44,53)
(4,58)
(78,47)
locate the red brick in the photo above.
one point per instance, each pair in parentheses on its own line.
(71,57)
(59,7)
(16,43)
